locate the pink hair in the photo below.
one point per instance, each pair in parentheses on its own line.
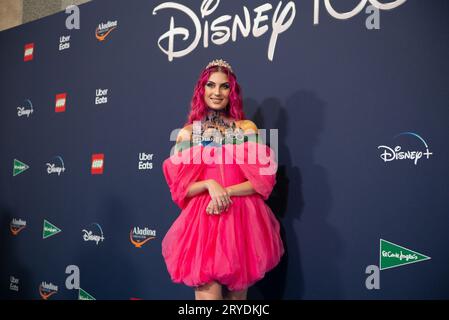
(199,109)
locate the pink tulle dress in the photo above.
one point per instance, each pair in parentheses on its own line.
(237,247)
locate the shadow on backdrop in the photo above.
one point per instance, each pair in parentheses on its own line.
(301,200)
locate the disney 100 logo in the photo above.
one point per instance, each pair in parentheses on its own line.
(226,27)
(390,154)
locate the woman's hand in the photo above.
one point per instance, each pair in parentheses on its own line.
(211,209)
(220,198)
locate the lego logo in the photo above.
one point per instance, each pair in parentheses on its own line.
(97,164)
(61,100)
(60,103)
(29,51)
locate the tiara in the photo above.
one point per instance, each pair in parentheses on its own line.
(219,63)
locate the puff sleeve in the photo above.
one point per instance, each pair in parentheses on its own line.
(258,164)
(181,170)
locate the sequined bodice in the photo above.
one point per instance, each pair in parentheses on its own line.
(217,128)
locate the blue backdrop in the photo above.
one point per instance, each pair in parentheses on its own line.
(342,96)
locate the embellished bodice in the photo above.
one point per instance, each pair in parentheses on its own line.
(215,129)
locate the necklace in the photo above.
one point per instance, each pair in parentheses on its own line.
(216,127)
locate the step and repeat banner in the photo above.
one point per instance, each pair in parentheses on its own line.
(358,93)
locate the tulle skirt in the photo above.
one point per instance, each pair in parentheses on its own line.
(235,248)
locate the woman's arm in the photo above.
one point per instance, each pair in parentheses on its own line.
(197,188)
(220,199)
(244,188)
(241,189)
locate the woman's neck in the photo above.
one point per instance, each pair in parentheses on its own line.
(215,113)
(218,119)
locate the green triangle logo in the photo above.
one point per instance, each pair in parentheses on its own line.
(83,295)
(18,167)
(392,255)
(49,230)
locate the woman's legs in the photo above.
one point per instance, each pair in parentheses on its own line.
(213,291)
(236,295)
(209,291)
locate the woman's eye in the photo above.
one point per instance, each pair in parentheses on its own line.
(210,85)
(226,86)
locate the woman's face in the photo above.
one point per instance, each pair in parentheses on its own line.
(216,93)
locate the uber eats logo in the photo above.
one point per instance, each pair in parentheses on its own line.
(391,255)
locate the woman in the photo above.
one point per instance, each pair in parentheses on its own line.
(225,237)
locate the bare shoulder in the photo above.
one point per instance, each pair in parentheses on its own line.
(184,134)
(246,125)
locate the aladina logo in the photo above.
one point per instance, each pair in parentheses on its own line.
(26,109)
(390,154)
(139,237)
(53,168)
(16,226)
(89,235)
(104,29)
(46,290)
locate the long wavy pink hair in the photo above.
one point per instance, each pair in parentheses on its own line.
(198,107)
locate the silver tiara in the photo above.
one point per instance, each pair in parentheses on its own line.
(219,63)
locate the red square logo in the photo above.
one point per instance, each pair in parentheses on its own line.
(28,52)
(60,102)
(97,163)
